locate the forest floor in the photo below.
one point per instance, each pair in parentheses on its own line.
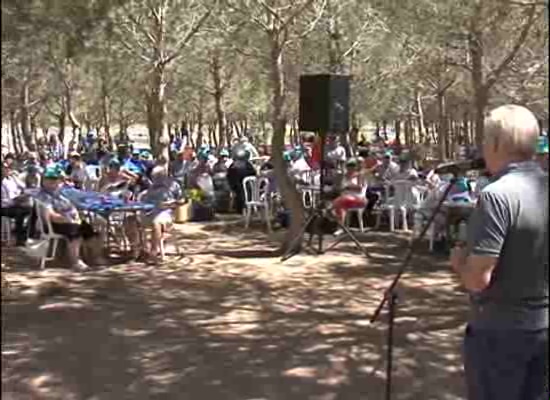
(227,321)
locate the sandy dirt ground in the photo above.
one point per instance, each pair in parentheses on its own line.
(226,320)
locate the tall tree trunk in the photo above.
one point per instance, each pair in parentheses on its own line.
(398,131)
(408,139)
(355,128)
(19,137)
(216,70)
(442,128)
(25,117)
(385,129)
(156,112)
(290,195)
(476,52)
(61,121)
(106,108)
(334,43)
(265,131)
(200,122)
(422,132)
(34,128)
(17,148)
(466,128)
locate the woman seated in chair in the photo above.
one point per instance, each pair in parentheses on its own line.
(113,177)
(202,168)
(353,193)
(66,221)
(164,193)
(240,169)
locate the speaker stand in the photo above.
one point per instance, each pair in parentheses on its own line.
(319,214)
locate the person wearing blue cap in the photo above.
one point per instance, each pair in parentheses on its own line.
(222,163)
(299,168)
(201,169)
(389,168)
(32,177)
(65,219)
(113,177)
(136,162)
(222,191)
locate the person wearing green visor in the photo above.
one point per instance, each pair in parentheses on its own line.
(299,168)
(222,163)
(542,152)
(201,170)
(389,169)
(65,219)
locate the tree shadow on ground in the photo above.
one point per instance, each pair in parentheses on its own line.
(224,328)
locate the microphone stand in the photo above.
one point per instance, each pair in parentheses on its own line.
(391,297)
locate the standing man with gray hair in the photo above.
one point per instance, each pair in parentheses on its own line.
(504,266)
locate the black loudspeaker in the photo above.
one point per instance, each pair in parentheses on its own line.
(324,103)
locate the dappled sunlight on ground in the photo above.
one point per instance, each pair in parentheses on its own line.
(226,320)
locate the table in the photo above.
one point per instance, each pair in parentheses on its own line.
(105,205)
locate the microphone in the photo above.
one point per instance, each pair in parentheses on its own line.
(461,165)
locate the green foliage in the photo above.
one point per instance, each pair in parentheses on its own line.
(95,58)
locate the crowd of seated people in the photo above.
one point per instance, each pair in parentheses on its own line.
(357,178)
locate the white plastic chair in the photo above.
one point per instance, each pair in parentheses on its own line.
(256,199)
(50,237)
(406,197)
(429,199)
(360,211)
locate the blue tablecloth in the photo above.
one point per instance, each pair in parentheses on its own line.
(102,203)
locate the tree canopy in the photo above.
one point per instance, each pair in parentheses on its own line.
(427,68)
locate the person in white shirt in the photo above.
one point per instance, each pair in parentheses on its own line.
(406,170)
(15,204)
(389,168)
(433,179)
(245,145)
(335,152)
(299,168)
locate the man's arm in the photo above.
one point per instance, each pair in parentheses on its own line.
(487,232)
